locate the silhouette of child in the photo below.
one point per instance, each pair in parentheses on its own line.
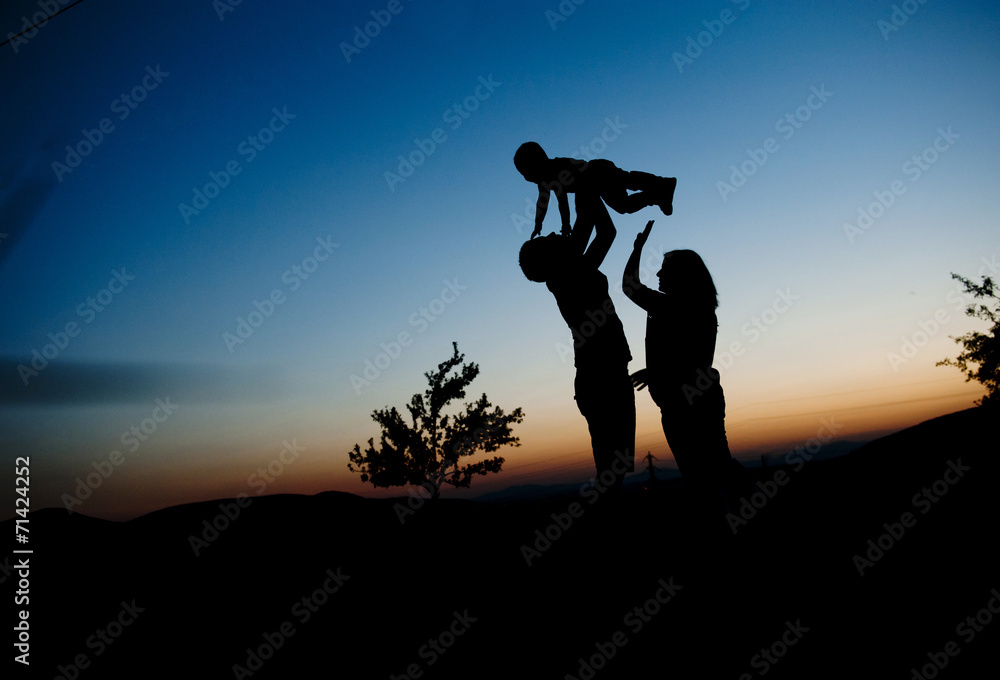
(597,177)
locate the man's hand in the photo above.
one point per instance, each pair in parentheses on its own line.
(639,379)
(536,232)
(640,239)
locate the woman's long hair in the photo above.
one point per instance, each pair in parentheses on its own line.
(686,277)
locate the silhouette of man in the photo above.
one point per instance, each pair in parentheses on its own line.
(603,389)
(681,328)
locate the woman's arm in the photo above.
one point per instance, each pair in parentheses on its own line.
(641,295)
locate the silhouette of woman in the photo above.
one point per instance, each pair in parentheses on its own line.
(681,328)
(603,391)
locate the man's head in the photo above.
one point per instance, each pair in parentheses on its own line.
(547,257)
(530,160)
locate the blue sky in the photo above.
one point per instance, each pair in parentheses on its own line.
(434,255)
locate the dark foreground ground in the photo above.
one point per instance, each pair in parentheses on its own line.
(335,586)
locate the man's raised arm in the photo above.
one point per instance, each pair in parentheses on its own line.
(605,233)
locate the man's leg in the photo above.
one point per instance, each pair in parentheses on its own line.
(608,404)
(616,445)
(623,395)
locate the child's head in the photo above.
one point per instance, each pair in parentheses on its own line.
(546,257)
(530,161)
(684,274)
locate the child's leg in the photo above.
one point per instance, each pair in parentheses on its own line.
(650,190)
(642,181)
(613,183)
(624,203)
(653,189)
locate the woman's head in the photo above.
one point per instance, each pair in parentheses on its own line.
(684,274)
(546,257)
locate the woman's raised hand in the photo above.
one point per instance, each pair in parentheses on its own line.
(640,239)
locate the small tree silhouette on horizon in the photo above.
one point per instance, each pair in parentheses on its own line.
(980,348)
(426,452)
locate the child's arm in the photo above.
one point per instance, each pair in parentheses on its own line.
(563,200)
(541,207)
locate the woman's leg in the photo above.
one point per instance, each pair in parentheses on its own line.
(696,435)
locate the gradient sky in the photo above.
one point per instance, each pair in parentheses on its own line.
(602,81)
